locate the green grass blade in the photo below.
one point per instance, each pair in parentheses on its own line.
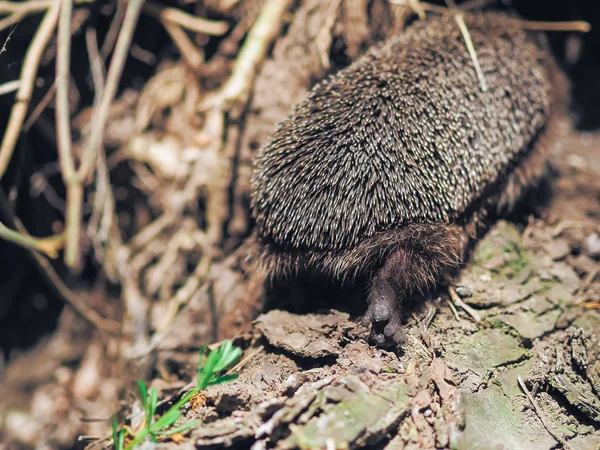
(143,434)
(185,426)
(223,379)
(228,358)
(152,406)
(165,421)
(121,441)
(143,390)
(201,358)
(117,435)
(208,370)
(115,425)
(144,394)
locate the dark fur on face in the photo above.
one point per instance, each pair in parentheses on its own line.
(387,165)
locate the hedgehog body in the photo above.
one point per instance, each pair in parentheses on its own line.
(386,166)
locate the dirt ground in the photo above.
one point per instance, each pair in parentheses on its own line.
(531,311)
(508,357)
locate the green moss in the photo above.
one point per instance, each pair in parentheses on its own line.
(345,422)
(496,421)
(501,252)
(484,350)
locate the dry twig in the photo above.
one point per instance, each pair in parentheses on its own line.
(459,302)
(192,23)
(49,246)
(74,179)
(454,310)
(460,20)
(18,10)
(113,30)
(262,33)
(415,6)
(175,21)
(10,86)
(574,25)
(235,92)
(26,83)
(538,413)
(28,74)
(193,56)
(63,129)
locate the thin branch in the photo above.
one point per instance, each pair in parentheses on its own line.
(28,75)
(100,115)
(49,246)
(25,8)
(63,131)
(185,20)
(192,55)
(469,5)
(574,25)
(18,10)
(459,302)
(75,301)
(113,30)
(460,20)
(454,310)
(74,179)
(39,109)
(253,51)
(235,92)
(97,68)
(9,86)
(414,6)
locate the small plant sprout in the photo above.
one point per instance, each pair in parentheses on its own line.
(210,372)
(216,362)
(118,435)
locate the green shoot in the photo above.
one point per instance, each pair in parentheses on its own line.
(210,372)
(118,435)
(185,426)
(216,362)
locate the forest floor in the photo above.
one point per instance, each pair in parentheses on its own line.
(468,376)
(512,360)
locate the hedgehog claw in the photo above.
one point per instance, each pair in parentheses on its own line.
(394,332)
(366,320)
(381,312)
(388,333)
(384,316)
(377,339)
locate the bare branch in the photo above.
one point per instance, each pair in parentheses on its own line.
(49,246)
(185,20)
(75,179)
(9,87)
(28,74)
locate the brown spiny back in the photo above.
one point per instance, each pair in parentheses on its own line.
(404,135)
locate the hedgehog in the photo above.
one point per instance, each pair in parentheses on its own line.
(390,167)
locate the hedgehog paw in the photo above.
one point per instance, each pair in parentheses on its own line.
(385,318)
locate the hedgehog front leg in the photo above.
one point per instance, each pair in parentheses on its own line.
(424,254)
(384,311)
